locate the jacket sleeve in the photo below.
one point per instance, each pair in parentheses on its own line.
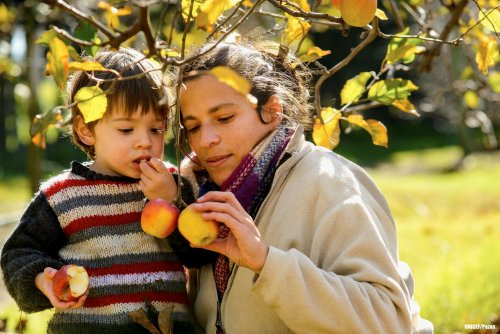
(189,257)
(33,245)
(341,267)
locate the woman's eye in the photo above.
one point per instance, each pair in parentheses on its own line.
(225,119)
(193,129)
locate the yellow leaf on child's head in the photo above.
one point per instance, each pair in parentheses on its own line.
(326,131)
(92,103)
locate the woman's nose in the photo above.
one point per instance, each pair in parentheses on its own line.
(209,136)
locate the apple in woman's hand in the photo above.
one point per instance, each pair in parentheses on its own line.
(195,229)
(70,282)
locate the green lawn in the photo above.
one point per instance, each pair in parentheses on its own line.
(448,227)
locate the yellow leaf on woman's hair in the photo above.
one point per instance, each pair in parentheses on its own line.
(92,103)
(231,78)
(326,133)
(376,129)
(486,53)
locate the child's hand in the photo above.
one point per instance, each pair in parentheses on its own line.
(44,281)
(156,180)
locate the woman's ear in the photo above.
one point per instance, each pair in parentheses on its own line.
(272,110)
(84,132)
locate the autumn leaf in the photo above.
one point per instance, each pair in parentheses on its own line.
(490,20)
(165,319)
(381,14)
(486,53)
(494,81)
(296,29)
(326,133)
(113,14)
(354,88)
(186,4)
(229,77)
(314,53)
(389,90)
(139,316)
(406,106)
(376,129)
(471,99)
(92,103)
(58,62)
(210,11)
(46,37)
(86,66)
(41,124)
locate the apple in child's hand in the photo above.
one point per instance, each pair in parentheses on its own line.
(159,218)
(195,229)
(70,282)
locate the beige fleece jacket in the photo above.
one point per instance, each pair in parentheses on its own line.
(332,265)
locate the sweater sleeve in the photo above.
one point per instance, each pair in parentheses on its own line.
(345,277)
(33,245)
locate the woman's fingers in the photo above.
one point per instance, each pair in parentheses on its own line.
(210,200)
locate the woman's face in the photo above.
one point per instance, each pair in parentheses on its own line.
(222,125)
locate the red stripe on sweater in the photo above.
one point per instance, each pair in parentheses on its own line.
(58,186)
(136,268)
(176,297)
(93,221)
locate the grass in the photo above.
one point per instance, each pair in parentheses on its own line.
(448,228)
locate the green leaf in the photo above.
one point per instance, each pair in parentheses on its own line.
(87,32)
(403,48)
(354,88)
(92,103)
(389,90)
(46,37)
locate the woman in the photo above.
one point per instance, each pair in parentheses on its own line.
(309,244)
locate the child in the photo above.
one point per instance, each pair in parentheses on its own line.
(90,214)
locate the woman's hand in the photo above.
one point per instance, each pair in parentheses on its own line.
(157,181)
(44,281)
(243,245)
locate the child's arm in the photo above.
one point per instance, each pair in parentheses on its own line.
(157,181)
(32,247)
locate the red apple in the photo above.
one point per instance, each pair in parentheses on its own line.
(358,13)
(159,218)
(70,282)
(195,229)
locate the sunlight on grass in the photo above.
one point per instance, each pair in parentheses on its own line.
(14,192)
(448,228)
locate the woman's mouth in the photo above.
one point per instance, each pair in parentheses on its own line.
(217,161)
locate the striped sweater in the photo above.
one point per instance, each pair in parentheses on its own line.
(92,220)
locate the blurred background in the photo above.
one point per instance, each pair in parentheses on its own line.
(440,173)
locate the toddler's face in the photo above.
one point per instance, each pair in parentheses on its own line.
(121,141)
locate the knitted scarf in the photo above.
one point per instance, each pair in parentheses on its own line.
(250,183)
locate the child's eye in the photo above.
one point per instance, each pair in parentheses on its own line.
(125,130)
(158,130)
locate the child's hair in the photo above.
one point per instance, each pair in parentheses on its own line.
(141,87)
(271,70)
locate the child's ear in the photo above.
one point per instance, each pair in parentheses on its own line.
(83,131)
(272,110)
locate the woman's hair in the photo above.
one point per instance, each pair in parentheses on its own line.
(141,87)
(271,70)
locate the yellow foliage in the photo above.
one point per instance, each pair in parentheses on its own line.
(326,133)
(92,103)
